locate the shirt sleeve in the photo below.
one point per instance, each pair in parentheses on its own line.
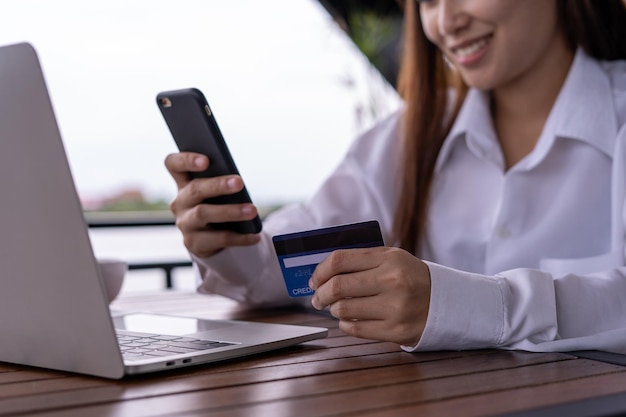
(361,188)
(525,309)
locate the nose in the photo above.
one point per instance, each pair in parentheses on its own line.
(451,17)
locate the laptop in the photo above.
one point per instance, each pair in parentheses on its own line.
(54,311)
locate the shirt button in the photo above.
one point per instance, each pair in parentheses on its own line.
(503,232)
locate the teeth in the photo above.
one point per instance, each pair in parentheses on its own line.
(470,49)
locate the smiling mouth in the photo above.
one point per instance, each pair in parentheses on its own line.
(469,50)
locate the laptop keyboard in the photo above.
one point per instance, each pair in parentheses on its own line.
(144,346)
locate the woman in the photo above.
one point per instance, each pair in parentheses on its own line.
(499,189)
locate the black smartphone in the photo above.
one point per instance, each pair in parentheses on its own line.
(194,129)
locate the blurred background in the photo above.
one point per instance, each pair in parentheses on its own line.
(291,83)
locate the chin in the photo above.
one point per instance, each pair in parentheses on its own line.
(480,80)
(479,84)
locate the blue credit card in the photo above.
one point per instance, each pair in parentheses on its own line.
(299,253)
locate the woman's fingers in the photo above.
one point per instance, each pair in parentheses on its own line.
(194,216)
(199,189)
(378,293)
(339,287)
(179,165)
(360,308)
(344,261)
(206,243)
(200,215)
(381,330)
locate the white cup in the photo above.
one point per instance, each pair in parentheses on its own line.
(112,272)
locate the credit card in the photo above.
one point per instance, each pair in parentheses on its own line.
(299,253)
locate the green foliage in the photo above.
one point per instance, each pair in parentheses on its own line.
(372,33)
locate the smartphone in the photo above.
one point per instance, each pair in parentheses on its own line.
(194,129)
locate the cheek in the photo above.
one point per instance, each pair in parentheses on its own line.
(429,25)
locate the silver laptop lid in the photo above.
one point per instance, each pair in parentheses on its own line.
(53,311)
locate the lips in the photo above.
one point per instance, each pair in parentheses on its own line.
(471,51)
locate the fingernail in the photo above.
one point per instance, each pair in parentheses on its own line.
(247,210)
(314,303)
(312,285)
(198,162)
(232,183)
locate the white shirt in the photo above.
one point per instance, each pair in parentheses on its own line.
(528,258)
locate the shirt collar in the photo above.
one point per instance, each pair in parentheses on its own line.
(474,123)
(584,110)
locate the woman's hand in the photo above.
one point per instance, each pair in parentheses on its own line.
(377,293)
(193,217)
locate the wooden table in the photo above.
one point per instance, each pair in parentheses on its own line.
(339,375)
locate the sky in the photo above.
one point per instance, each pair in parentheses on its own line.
(289,90)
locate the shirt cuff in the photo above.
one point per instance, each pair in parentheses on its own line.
(466,311)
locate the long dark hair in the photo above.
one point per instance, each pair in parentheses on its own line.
(425,83)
